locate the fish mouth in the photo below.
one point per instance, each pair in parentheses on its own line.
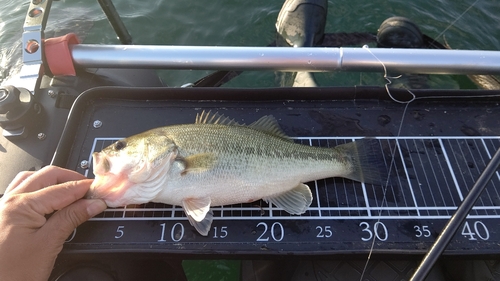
(89,194)
(101,163)
(106,185)
(111,188)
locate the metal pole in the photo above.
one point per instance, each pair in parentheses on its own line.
(288,59)
(456,220)
(115,21)
(33,35)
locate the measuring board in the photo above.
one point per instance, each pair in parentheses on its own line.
(425,189)
(429,177)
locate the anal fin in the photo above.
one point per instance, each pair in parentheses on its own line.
(295,201)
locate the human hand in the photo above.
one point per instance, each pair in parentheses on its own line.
(30,242)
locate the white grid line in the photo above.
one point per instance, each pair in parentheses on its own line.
(407,178)
(445,153)
(361,209)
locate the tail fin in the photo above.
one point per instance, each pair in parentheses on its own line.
(368,161)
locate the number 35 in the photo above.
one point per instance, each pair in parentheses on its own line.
(422,231)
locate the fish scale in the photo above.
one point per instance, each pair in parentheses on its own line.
(252,158)
(217,161)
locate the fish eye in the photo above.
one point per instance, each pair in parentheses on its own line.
(119,145)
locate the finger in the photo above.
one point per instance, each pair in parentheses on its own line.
(56,197)
(47,176)
(20,177)
(63,222)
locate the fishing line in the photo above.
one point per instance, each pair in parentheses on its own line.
(388,80)
(393,152)
(458,18)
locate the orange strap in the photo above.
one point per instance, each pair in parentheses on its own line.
(58,55)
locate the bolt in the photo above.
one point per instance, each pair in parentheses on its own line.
(51,93)
(84,164)
(3,94)
(97,124)
(187,85)
(41,136)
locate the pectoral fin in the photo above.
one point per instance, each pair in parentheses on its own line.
(198,162)
(295,201)
(199,214)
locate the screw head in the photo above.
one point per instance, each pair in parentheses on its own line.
(84,164)
(3,94)
(97,124)
(51,93)
(41,136)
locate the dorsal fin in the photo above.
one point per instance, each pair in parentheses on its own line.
(215,118)
(266,123)
(270,125)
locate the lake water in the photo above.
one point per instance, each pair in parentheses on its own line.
(252,23)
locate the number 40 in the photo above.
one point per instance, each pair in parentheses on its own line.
(479,228)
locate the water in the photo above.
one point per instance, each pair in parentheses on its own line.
(251,23)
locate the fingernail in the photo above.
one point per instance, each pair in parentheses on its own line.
(96,207)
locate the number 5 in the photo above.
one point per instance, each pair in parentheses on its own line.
(120,232)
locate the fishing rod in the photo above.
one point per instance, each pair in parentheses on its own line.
(311,59)
(457,219)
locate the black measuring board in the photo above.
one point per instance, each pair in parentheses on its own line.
(434,158)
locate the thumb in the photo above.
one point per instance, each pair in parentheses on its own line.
(63,222)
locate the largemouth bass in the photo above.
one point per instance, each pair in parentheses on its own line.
(217,161)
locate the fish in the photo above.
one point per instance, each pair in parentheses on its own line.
(217,161)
